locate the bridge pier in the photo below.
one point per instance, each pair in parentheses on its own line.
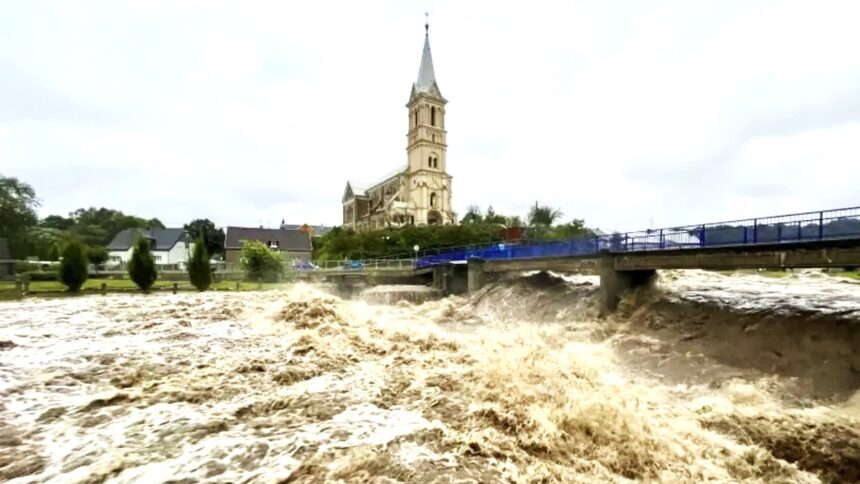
(348,287)
(476,277)
(444,279)
(613,283)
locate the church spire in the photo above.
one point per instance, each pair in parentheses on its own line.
(426,76)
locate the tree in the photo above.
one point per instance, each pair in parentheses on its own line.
(473,215)
(199,270)
(338,244)
(260,263)
(493,218)
(18,204)
(514,221)
(37,241)
(141,266)
(98,254)
(213,237)
(573,230)
(54,252)
(97,226)
(543,215)
(73,268)
(57,222)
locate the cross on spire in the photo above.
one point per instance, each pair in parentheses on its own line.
(426,23)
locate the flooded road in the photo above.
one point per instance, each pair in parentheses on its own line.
(728,378)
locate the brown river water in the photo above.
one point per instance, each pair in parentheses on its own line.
(708,377)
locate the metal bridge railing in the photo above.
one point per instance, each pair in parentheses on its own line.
(355,265)
(836,224)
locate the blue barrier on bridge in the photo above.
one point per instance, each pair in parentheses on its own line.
(836,224)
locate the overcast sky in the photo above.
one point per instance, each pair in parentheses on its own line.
(628,114)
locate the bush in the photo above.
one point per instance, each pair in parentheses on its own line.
(24,266)
(260,263)
(73,267)
(50,275)
(141,266)
(199,270)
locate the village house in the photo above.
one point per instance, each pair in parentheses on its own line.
(292,244)
(312,230)
(420,192)
(168,246)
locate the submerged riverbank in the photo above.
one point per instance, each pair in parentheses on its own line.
(720,377)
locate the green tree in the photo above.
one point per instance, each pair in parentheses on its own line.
(97,226)
(260,263)
(141,266)
(514,221)
(338,244)
(213,237)
(54,252)
(543,215)
(73,268)
(199,270)
(18,204)
(57,222)
(36,241)
(494,218)
(98,254)
(473,215)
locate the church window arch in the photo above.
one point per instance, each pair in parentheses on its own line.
(433,116)
(430,162)
(433,199)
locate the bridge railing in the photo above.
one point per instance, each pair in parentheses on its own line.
(800,227)
(836,224)
(355,265)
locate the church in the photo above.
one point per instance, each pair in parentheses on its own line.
(420,192)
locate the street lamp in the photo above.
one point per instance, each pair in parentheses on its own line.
(416,248)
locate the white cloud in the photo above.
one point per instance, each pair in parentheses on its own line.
(621,113)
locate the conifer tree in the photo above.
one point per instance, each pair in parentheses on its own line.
(199,270)
(141,267)
(73,268)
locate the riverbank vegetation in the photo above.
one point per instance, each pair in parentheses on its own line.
(475,228)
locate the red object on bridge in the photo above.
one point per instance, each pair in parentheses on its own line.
(513,234)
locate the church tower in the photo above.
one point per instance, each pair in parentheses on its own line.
(420,193)
(429,184)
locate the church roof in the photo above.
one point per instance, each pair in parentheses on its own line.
(426,75)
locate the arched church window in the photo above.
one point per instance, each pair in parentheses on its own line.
(432,199)
(415,115)
(430,161)
(433,116)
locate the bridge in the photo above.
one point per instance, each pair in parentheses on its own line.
(829,238)
(823,239)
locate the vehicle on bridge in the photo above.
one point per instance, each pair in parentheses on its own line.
(353,265)
(304,265)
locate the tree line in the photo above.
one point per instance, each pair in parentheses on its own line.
(476,227)
(94,228)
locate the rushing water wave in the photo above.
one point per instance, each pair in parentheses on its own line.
(727,378)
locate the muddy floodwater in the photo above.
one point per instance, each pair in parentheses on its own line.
(708,377)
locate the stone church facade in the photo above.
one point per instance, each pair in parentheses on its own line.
(419,193)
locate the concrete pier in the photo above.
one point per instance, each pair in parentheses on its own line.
(476,275)
(614,283)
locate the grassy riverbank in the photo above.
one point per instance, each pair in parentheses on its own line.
(93,286)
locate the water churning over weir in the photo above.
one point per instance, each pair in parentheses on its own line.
(729,378)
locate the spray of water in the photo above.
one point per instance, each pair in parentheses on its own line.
(727,378)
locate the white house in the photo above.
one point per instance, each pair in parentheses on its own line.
(168,246)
